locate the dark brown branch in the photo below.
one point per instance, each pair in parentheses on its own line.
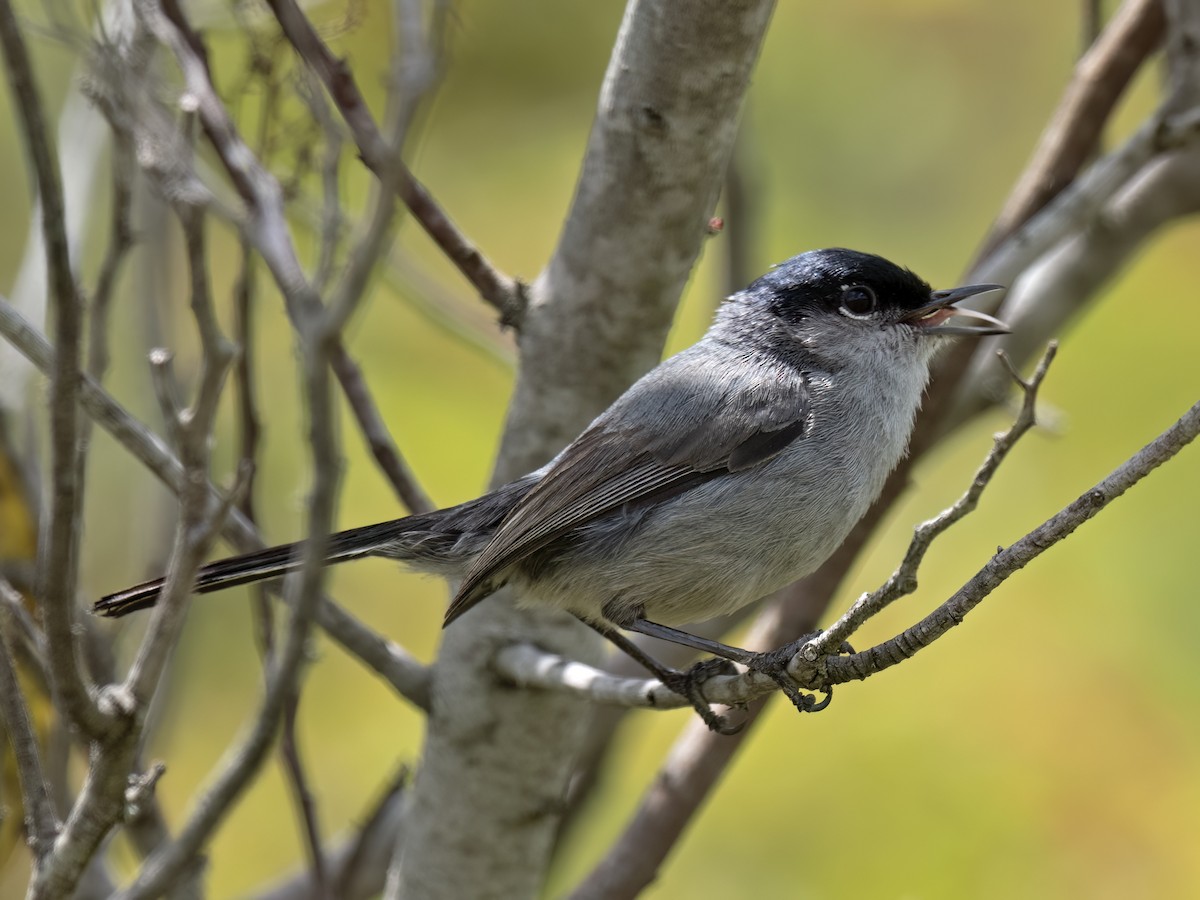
(401,477)
(120,241)
(1073,134)
(506,294)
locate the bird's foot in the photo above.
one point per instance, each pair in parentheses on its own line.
(774,664)
(689,683)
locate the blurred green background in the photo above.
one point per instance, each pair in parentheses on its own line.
(1048,748)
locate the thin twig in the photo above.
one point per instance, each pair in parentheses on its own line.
(250,430)
(120,241)
(400,669)
(35,792)
(387,455)
(531,667)
(27,643)
(319,332)
(506,294)
(330,227)
(362,260)
(60,555)
(268,231)
(1012,559)
(305,801)
(198,522)
(904,580)
(699,757)
(166,392)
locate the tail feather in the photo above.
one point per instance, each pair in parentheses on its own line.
(441,542)
(260,565)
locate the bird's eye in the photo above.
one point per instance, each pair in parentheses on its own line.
(858,300)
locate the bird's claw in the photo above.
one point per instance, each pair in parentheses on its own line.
(688,684)
(774,664)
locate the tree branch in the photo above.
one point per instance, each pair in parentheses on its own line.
(527,666)
(408,676)
(699,756)
(665,121)
(1011,559)
(1073,134)
(504,293)
(60,555)
(904,580)
(41,821)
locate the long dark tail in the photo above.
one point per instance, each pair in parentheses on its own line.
(257,566)
(440,542)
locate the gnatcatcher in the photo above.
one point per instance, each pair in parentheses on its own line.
(726,472)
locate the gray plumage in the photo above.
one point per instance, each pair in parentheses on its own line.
(723,474)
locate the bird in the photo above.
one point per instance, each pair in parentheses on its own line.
(726,472)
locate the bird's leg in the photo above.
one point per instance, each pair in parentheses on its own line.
(686,683)
(773,663)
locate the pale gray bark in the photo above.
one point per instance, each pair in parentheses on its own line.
(496,761)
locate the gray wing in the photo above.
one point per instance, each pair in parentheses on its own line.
(683,424)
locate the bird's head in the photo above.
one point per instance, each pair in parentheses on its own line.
(831,301)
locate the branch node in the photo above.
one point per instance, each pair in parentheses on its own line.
(140,788)
(512,305)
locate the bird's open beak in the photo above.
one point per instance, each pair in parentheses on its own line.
(941,317)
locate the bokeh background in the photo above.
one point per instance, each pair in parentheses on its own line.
(1050,747)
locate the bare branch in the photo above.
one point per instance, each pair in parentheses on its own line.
(1073,133)
(904,580)
(304,800)
(1011,559)
(1183,52)
(531,667)
(330,217)
(319,331)
(268,232)
(41,821)
(293,766)
(665,122)
(82,137)
(198,522)
(120,241)
(408,676)
(699,757)
(1075,206)
(26,643)
(695,763)
(166,392)
(60,555)
(1058,288)
(399,474)
(504,293)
